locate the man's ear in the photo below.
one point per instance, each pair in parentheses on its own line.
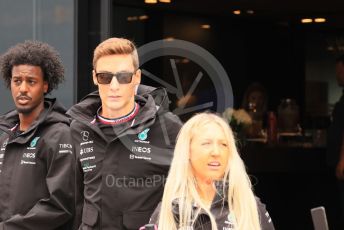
(45,87)
(137,77)
(95,82)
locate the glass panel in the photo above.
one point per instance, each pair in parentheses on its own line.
(47,21)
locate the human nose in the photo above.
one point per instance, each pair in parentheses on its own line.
(114,83)
(215,150)
(23,87)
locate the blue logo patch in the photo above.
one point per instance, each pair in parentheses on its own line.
(143,135)
(34,142)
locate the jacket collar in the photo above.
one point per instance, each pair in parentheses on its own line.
(53,112)
(219,200)
(152,101)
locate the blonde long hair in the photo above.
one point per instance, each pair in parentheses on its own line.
(181,183)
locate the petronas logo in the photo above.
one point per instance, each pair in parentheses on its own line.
(34,142)
(143,135)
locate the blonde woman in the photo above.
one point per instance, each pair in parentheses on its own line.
(207,186)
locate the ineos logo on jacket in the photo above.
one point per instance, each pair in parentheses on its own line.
(137,149)
(29,155)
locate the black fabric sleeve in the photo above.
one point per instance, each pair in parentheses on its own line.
(155,216)
(79,195)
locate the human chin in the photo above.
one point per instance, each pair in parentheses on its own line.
(25,109)
(215,175)
(28,107)
(114,105)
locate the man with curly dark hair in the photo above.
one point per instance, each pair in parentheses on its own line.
(36,152)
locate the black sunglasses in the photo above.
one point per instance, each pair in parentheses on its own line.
(122,77)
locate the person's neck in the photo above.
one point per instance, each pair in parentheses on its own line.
(206,189)
(25,120)
(114,114)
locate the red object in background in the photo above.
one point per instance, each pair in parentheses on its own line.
(272,127)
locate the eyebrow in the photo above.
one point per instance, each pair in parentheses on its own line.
(212,140)
(30,77)
(27,78)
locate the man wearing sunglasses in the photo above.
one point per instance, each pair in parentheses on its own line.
(124,137)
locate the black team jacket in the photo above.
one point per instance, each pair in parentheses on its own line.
(37,171)
(122,175)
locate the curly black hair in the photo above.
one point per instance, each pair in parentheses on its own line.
(37,54)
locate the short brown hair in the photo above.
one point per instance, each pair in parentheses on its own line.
(113,46)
